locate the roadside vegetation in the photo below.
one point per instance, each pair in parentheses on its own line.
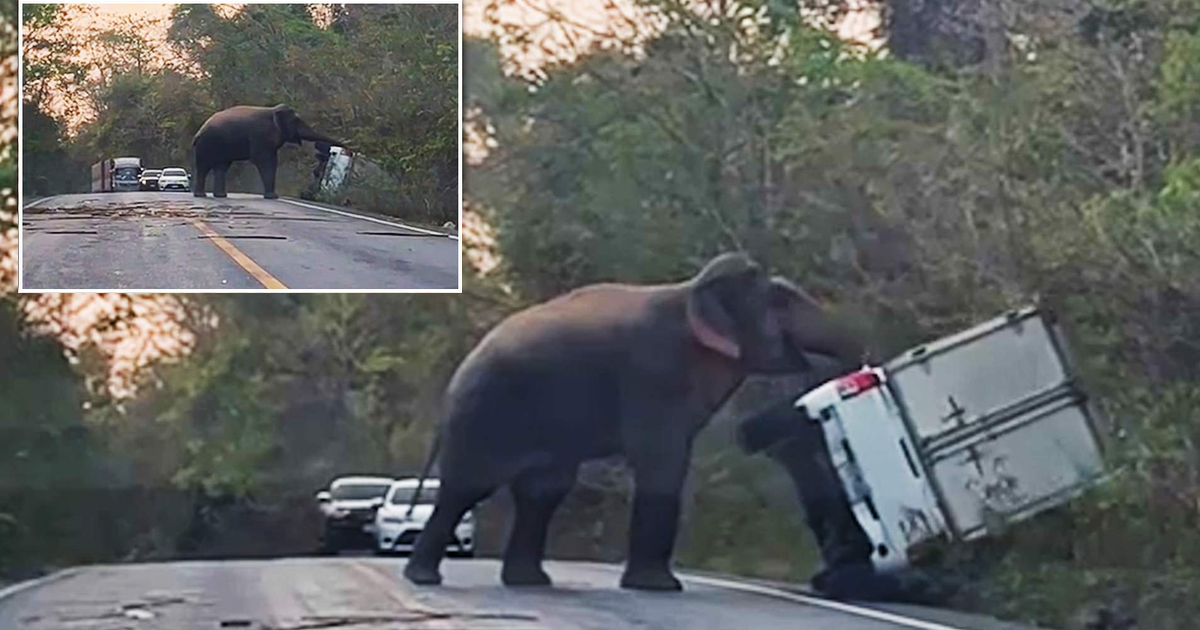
(999,153)
(382,78)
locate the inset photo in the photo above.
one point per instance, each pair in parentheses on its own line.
(240,147)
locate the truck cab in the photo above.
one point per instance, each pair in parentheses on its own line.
(126,172)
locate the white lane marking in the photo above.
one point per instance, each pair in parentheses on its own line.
(34,203)
(21,587)
(371,219)
(820,603)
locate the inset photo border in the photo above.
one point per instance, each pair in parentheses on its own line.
(240,148)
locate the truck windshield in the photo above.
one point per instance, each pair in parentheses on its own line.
(126,174)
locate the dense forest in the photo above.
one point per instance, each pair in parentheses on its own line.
(989,154)
(383,78)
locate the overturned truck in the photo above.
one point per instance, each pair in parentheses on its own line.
(348,178)
(949,441)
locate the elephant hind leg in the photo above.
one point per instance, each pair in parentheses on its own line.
(202,169)
(537,493)
(452,502)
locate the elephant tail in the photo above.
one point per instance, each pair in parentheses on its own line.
(433,453)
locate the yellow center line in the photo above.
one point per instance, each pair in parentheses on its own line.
(245,262)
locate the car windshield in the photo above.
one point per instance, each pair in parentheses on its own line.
(151,173)
(403,496)
(359,491)
(175,172)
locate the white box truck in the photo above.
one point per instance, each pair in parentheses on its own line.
(116,174)
(958,436)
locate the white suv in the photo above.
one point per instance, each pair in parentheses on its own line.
(396,530)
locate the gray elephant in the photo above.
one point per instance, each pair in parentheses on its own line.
(247,133)
(608,369)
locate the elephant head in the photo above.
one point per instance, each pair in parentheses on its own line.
(766,324)
(293,129)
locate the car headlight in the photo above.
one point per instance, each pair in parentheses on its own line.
(340,513)
(467,518)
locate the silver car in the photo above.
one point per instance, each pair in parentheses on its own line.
(348,508)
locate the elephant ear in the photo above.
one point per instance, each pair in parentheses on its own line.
(709,304)
(285,120)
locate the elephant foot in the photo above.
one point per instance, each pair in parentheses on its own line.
(650,580)
(220,195)
(424,576)
(531,575)
(270,196)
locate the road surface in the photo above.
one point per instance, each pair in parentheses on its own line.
(173,241)
(360,593)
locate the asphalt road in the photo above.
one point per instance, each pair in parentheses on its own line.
(173,241)
(359,593)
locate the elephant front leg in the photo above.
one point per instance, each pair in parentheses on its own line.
(267,165)
(537,494)
(659,474)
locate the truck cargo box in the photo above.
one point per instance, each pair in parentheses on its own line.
(978,429)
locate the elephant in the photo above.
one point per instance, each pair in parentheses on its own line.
(612,369)
(250,133)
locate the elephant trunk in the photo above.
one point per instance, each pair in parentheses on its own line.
(830,348)
(307,133)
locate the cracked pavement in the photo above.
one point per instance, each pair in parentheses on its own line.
(368,593)
(173,241)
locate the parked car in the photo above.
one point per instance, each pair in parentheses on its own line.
(174,179)
(348,509)
(396,530)
(149,179)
